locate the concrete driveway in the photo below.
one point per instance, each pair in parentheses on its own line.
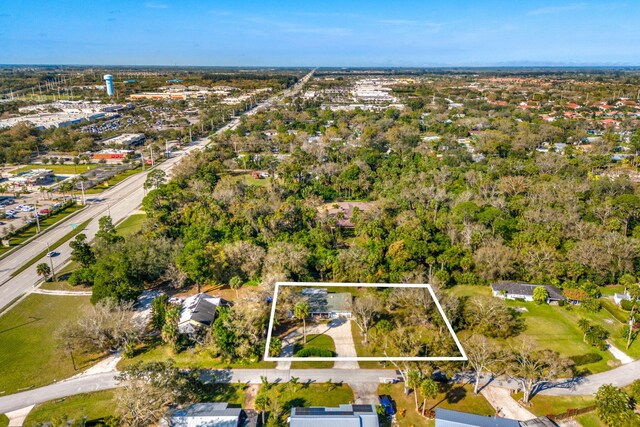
(338,329)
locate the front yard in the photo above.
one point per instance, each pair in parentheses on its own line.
(452,396)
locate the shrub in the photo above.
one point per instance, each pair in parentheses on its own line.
(626,305)
(314,352)
(585,359)
(591,305)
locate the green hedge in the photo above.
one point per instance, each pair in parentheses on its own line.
(314,352)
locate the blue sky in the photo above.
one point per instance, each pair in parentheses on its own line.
(319,33)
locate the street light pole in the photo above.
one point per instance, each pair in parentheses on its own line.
(37,219)
(53,271)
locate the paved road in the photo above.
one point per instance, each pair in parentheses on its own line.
(118,202)
(106,380)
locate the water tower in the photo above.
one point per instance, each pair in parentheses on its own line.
(108,79)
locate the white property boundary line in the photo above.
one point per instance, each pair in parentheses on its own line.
(269,358)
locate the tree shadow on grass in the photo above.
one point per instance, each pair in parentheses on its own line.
(34,319)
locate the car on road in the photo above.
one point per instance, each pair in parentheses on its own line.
(388,404)
(52,254)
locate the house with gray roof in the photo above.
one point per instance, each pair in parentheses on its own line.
(342,416)
(206,415)
(198,312)
(326,304)
(523,290)
(448,418)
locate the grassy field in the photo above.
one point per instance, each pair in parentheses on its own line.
(30,231)
(316,341)
(289,395)
(115,180)
(590,420)
(60,169)
(29,356)
(4,421)
(55,245)
(190,358)
(556,328)
(95,406)
(131,225)
(555,405)
(452,396)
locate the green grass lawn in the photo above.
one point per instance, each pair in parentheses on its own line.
(611,289)
(4,421)
(452,396)
(316,341)
(30,231)
(29,356)
(555,405)
(95,406)
(190,358)
(363,350)
(60,169)
(131,225)
(590,420)
(614,310)
(290,395)
(115,180)
(470,290)
(556,328)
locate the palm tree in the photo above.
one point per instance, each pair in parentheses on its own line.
(235,283)
(42,191)
(584,326)
(301,311)
(429,390)
(43,270)
(414,379)
(262,404)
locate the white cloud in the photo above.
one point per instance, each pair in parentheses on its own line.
(557,9)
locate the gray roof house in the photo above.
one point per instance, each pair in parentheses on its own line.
(332,305)
(342,416)
(206,415)
(523,290)
(448,418)
(198,311)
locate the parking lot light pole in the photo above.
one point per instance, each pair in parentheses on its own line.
(37,219)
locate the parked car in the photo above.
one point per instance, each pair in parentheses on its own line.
(11,212)
(45,211)
(388,404)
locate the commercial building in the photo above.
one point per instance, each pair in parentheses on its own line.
(108,79)
(111,154)
(125,140)
(33,177)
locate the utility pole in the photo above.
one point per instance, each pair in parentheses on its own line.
(82,189)
(151,152)
(166,148)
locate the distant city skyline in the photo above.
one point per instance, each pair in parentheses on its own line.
(331,33)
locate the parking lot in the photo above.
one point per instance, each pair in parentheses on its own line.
(23,210)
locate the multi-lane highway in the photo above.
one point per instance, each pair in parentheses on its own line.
(118,202)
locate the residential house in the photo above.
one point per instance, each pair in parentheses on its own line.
(198,312)
(522,290)
(449,418)
(329,305)
(206,415)
(343,211)
(618,298)
(342,416)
